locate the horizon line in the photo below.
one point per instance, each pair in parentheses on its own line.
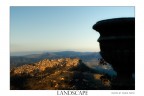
(22,53)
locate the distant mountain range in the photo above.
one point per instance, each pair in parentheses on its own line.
(32,58)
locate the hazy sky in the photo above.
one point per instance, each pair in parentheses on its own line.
(59,28)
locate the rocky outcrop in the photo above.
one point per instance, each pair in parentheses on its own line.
(64,73)
(45,64)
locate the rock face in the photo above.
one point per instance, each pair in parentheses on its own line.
(57,74)
(45,64)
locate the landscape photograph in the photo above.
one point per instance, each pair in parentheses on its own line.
(72,48)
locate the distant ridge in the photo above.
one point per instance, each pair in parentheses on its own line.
(32,58)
